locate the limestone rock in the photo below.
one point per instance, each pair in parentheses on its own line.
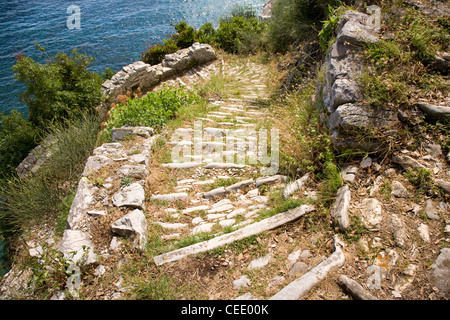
(371,213)
(440,273)
(445,185)
(259,262)
(434,112)
(132,224)
(130,196)
(80,204)
(170,197)
(296,185)
(118,134)
(242,283)
(399,231)
(133,171)
(340,208)
(432,209)
(77,247)
(406,161)
(398,190)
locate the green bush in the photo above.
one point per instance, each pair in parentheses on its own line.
(298,20)
(61,88)
(155,54)
(17,137)
(239,34)
(153,110)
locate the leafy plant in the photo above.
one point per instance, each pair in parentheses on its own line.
(153,110)
(61,88)
(17,137)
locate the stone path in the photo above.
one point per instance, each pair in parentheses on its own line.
(217,152)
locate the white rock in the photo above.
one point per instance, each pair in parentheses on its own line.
(130,196)
(170,196)
(227,222)
(193,209)
(171,226)
(424,232)
(236,212)
(259,262)
(242,283)
(206,227)
(398,190)
(77,247)
(132,224)
(371,213)
(197,220)
(223,208)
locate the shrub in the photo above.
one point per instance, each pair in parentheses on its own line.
(239,34)
(17,138)
(154,110)
(155,54)
(61,88)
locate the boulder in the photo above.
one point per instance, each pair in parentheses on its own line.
(77,247)
(440,273)
(82,201)
(434,112)
(340,208)
(133,224)
(130,196)
(371,213)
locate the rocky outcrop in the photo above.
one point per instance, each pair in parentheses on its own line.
(144,76)
(342,94)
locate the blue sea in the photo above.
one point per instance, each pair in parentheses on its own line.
(114,32)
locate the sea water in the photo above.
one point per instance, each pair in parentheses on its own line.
(114,32)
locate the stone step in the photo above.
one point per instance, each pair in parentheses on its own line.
(245,232)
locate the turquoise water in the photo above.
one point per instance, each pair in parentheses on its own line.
(113,32)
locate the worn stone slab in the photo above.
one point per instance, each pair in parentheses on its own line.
(76,246)
(355,289)
(215,193)
(193,209)
(133,171)
(269,180)
(260,262)
(296,185)
(440,273)
(371,213)
(170,196)
(240,185)
(255,228)
(204,227)
(434,112)
(220,165)
(445,185)
(301,287)
(406,161)
(340,208)
(223,208)
(171,226)
(82,201)
(95,163)
(130,196)
(180,165)
(132,224)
